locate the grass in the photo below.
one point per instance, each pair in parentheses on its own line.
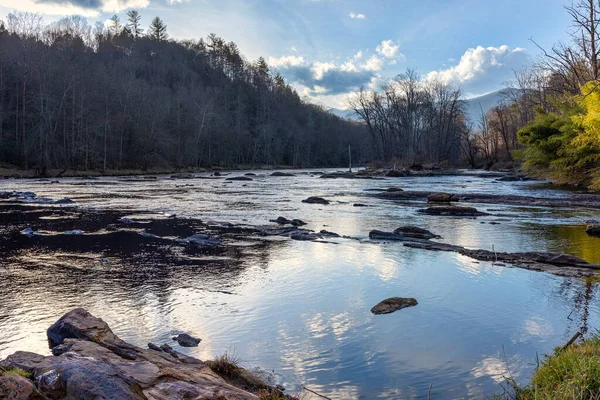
(16,371)
(569,374)
(226,365)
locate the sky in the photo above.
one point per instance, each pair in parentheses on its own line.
(328,49)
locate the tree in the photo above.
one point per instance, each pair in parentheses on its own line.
(134,23)
(158,30)
(115,26)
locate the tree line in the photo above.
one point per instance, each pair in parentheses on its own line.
(118,96)
(413,121)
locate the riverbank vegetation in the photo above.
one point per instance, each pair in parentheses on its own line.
(570,373)
(113,97)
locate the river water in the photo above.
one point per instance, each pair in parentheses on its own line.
(301,309)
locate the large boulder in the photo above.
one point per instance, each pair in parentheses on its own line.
(16,387)
(91,362)
(392,304)
(416,232)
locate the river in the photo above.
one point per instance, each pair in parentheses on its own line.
(301,309)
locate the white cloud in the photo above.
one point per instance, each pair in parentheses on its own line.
(84,8)
(388,48)
(478,62)
(354,15)
(285,61)
(374,63)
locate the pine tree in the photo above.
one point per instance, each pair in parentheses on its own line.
(158,30)
(134,18)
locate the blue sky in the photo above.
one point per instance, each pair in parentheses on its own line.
(329,48)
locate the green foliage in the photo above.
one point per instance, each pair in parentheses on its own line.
(16,371)
(573,373)
(565,145)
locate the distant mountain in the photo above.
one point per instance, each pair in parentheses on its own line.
(474,106)
(485,103)
(344,114)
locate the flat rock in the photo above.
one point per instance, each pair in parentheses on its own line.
(203,240)
(456,211)
(316,200)
(381,235)
(442,198)
(281,174)
(238,178)
(392,304)
(91,362)
(416,232)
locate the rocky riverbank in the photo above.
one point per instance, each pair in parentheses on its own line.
(90,362)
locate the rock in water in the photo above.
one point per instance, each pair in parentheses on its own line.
(204,240)
(238,178)
(416,232)
(454,211)
(392,304)
(186,340)
(396,174)
(381,235)
(394,189)
(316,200)
(593,230)
(442,198)
(279,173)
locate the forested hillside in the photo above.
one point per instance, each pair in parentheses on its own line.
(76,97)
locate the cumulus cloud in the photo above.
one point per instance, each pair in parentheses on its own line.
(354,15)
(328,78)
(87,8)
(285,61)
(388,48)
(483,67)
(331,78)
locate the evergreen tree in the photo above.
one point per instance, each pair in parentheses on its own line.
(158,30)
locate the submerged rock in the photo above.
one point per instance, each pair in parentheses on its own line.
(381,235)
(186,340)
(392,304)
(416,232)
(455,211)
(204,240)
(75,232)
(30,232)
(316,200)
(238,178)
(182,175)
